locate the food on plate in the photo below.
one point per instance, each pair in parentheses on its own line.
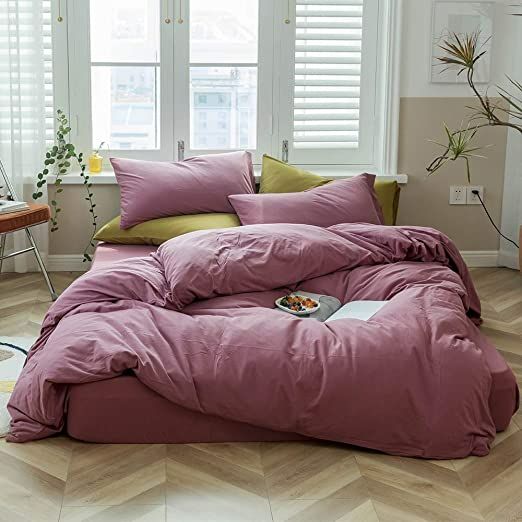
(298,303)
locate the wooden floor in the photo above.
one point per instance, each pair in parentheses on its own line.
(60,479)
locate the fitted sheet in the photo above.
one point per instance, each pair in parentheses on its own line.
(126,411)
(107,253)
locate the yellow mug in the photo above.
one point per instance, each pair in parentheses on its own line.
(95,163)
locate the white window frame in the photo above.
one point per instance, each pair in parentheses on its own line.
(71,59)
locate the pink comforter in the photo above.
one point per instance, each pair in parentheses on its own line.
(195,323)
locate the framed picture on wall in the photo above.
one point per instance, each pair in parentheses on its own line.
(461,18)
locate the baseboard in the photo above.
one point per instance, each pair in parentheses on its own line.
(481,258)
(67,263)
(509,260)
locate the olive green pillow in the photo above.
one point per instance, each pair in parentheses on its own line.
(388,194)
(158,231)
(278,177)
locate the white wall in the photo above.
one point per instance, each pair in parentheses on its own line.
(512,207)
(416,52)
(506,59)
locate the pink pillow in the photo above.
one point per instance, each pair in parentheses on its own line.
(153,189)
(344,201)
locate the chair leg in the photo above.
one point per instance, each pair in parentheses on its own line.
(50,286)
(3,239)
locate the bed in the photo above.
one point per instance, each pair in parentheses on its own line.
(197,370)
(182,343)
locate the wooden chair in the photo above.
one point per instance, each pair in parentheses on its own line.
(12,222)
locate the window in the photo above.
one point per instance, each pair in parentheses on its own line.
(221,44)
(237,74)
(125,68)
(223,60)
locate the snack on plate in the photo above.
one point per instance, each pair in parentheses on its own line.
(298,304)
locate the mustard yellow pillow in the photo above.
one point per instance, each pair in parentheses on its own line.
(388,194)
(157,231)
(278,177)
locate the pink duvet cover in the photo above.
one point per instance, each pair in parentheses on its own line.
(194,322)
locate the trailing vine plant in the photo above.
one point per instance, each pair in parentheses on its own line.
(58,161)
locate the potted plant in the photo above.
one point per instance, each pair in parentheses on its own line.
(58,161)
(463,52)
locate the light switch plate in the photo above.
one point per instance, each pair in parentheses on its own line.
(458,195)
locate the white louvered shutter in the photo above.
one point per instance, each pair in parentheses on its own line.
(48,71)
(332,51)
(26,81)
(327,73)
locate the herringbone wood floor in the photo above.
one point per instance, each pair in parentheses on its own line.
(60,479)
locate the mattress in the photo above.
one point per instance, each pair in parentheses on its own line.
(123,410)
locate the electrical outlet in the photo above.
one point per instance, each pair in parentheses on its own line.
(473,199)
(458,195)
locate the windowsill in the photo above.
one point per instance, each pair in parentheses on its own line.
(107,177)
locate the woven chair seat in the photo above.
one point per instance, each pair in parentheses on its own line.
(34,215)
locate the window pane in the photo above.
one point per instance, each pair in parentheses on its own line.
(223,107)
(124,102)
(125,30)
(224,31)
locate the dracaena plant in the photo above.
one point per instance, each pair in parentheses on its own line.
(463,53)
(58,160)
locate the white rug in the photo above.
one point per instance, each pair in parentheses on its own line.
(11,363)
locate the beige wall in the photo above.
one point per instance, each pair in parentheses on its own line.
(424,200)
(74,226)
